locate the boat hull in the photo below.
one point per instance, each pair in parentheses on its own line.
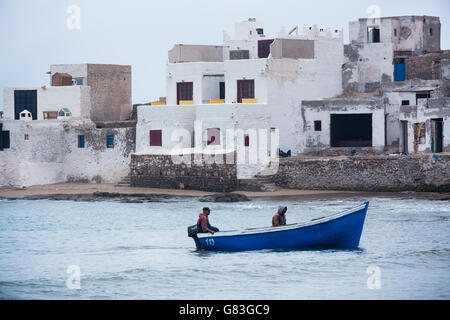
(339,230)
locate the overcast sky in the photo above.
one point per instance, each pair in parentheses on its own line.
(34,33)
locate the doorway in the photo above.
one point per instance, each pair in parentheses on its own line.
(404,128)
(351,130)
(399,69)
(25,100)
(437,128)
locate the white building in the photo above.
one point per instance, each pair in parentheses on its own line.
(250,82)
(69,131)
(88,91)
(379,47)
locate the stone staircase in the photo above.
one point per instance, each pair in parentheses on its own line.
(125,182)
(258,183)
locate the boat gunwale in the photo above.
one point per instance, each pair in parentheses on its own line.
(288,227)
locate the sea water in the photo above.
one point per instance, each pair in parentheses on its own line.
(111,250)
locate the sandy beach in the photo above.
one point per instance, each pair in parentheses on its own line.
(86,190)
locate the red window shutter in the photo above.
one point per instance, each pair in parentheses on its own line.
(264,48)
(213,136)
(155,138)
(246,89)
(185,91)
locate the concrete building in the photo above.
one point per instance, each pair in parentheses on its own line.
(88,91)
(250,82)
(379,48)
(72,130)
(400,60)
(344,123)
(426,126)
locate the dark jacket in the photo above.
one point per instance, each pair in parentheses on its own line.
(279,219)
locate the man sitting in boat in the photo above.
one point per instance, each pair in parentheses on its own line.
(203,225)
(279,219)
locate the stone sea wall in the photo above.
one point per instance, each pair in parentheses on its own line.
(424,173)
(159,171)
(370,173)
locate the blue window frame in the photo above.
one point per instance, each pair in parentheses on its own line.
(110,141)
(80,141)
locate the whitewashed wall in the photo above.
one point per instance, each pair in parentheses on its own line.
(51,153)
(423,113)
(393,125)
(96,162)
(291,81)
(319,140)
(416,38)
(165,118)
(38,160)
(189,72)
(75,98)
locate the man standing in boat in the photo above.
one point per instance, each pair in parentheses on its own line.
(203,225)
(279,218)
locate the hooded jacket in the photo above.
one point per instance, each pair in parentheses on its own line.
(279,219)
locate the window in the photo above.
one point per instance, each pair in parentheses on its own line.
(26,136)
(422,95)
(264,48)
(246,140)
(373,34)
(213,136)
(64,112)
(246,90)
(317,125)
(78,81)
(4,139)
(405,102)
(239,54)
(259,31)
(110,141)
(431,31)
(395,32)
(155,138)
(185,91)
(50,115)
(222,90)
(80,141)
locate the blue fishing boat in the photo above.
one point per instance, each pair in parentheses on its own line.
(340,230)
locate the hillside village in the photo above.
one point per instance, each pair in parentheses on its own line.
(296,109)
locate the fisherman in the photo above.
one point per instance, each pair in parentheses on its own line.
(203,225)
(279,218)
